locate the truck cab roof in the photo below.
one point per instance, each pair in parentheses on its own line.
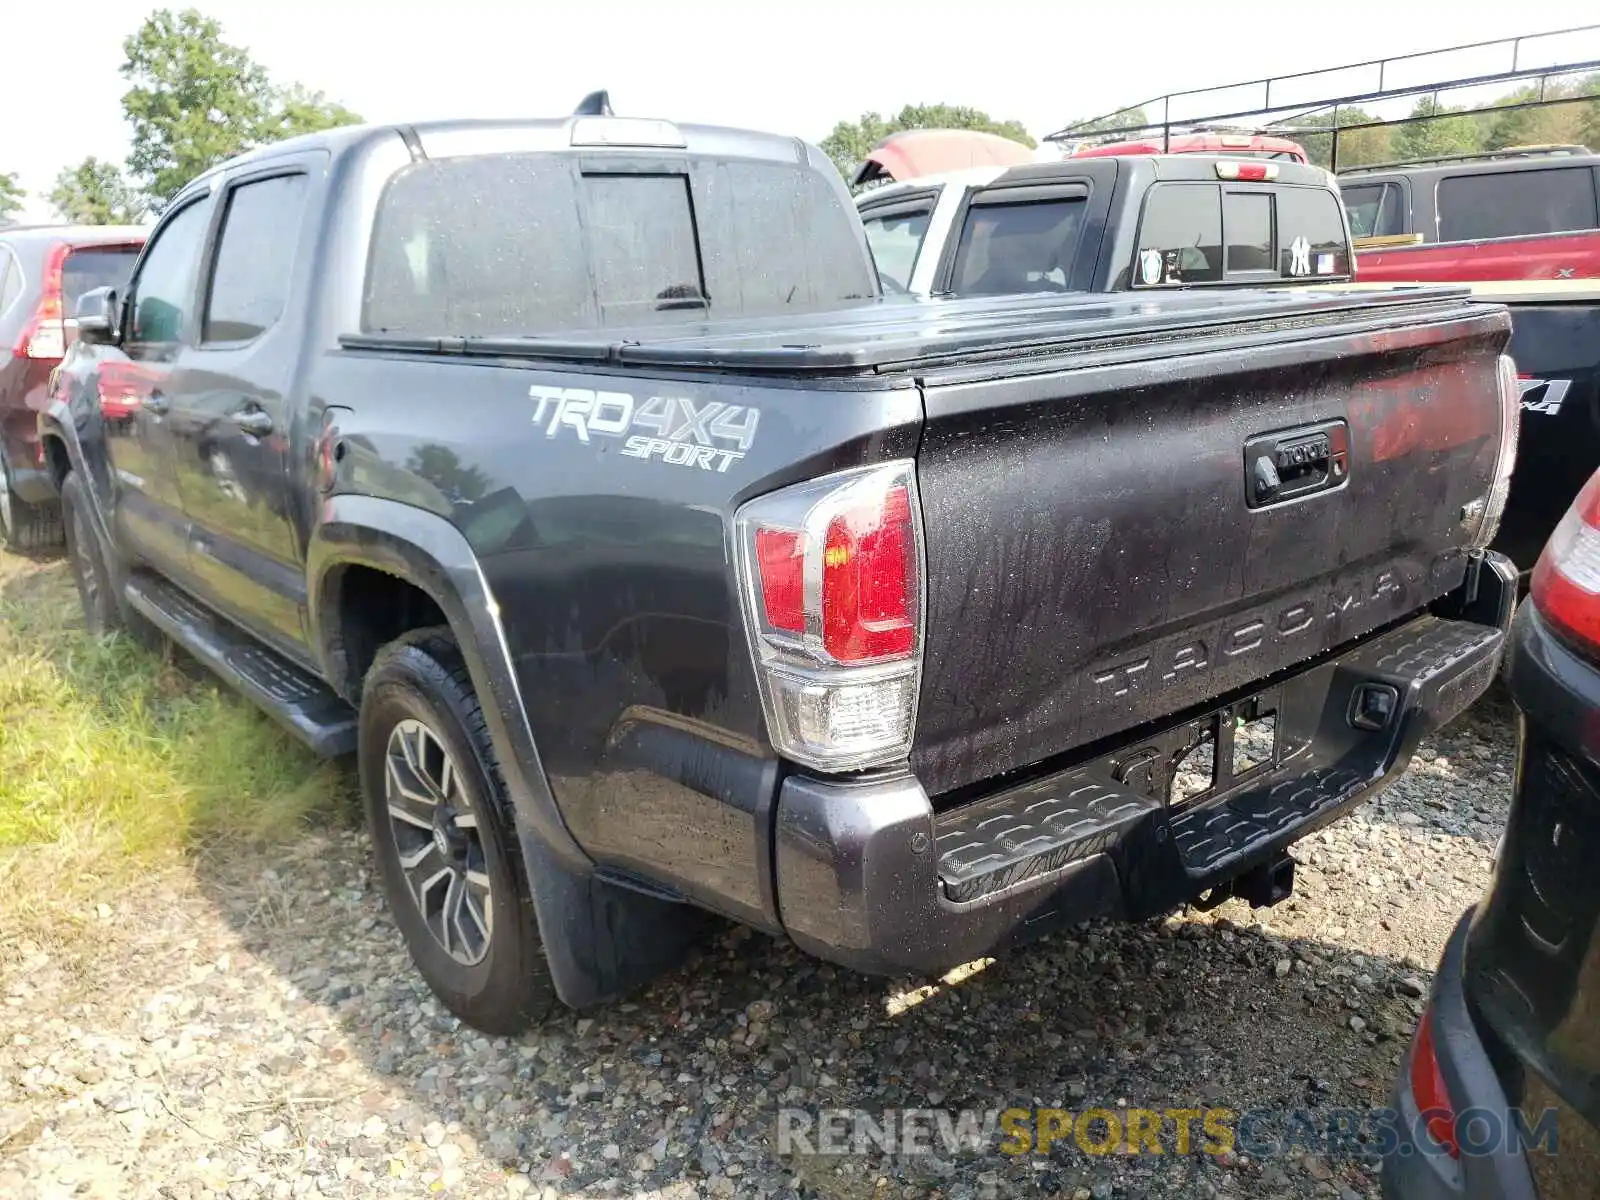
(468,136)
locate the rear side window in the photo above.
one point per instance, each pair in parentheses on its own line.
(1180,236)
(778,238)
(895,237)
(1376,209)
(1007,248)
(528,243)
(1515,203)
(99,266)
(255,258)
(1313,214)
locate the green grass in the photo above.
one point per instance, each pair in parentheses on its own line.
(116,761)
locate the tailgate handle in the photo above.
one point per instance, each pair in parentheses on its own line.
(1291,463)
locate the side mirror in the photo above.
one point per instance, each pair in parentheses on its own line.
(99,317)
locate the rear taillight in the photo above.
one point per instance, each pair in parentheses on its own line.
(1566,581)
(831,584)
(1484,513)
(1427,1088)
(45,333)
(1247,171)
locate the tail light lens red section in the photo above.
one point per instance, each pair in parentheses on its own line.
(1428,1089)
(868,579)
(780,559)
(831,580)
(45,334)
(1566,581)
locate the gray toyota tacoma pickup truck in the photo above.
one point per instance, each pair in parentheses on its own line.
(575,476)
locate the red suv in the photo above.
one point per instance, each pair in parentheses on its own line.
(43,271)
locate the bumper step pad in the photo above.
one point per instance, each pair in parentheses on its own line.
(1324,762)
(302,703)
(988,846)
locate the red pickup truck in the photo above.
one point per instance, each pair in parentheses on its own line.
(1522,227)
(1514,215)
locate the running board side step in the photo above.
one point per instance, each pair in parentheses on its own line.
(297,700)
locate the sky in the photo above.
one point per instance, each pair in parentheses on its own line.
(787,67)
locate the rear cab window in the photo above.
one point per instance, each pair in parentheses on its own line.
(1497,204)
(1019,239)
(1203,233)
(529,243)
(895,234)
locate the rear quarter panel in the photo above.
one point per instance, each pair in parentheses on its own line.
(614,581)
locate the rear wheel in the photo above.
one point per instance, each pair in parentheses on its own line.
(27,528)
(442,834)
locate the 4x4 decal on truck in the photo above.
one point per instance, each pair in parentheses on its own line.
(682,433)
(1543,395)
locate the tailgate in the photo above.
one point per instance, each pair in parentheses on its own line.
(1106,549)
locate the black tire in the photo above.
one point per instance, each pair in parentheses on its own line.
(102,614)
(27,528)
(420,680)
(105,611)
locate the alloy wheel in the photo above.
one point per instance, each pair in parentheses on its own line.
(438,841)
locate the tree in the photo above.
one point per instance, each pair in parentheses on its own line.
(1445,131)
(1127,118)
(197,100)
(95,193)
(11,198)
(1357,147)
(299,110)
(852,141)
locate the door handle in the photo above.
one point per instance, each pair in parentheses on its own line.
(157,403)
(254,422)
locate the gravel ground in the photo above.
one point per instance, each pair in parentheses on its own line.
(258,1031)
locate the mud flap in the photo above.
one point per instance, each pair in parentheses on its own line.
(603,940)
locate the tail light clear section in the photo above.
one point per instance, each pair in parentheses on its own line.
(1566,581)
(830,576)
(1494,503)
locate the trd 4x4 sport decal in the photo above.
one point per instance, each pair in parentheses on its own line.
(1543,395)
(711,436)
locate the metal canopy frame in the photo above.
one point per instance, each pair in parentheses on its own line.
(1513,72)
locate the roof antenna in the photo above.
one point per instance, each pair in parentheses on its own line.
(595,104)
